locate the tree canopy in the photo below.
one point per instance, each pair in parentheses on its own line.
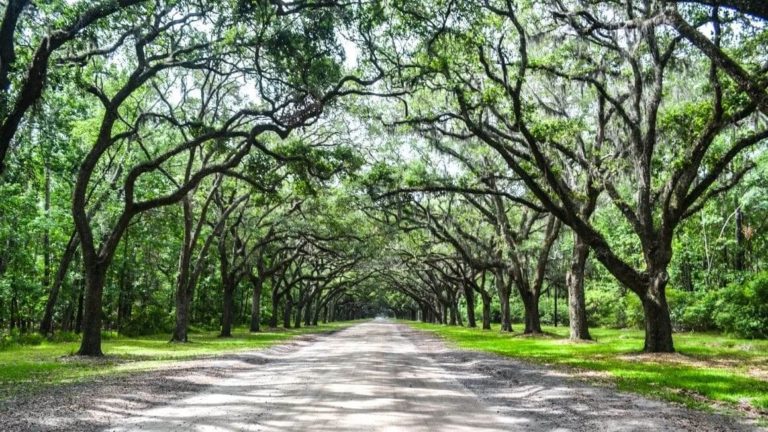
(167,164)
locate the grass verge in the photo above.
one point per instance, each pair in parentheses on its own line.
(25,368)
(708,371)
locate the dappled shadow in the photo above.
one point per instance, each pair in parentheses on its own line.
(387,377)
(367,378)
(555,401)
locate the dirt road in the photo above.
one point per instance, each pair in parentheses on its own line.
(371,377)
(376,376)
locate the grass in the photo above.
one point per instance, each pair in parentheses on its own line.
(708,371)
(25,368)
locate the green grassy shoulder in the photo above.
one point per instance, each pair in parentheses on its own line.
(26,368)
(709,370)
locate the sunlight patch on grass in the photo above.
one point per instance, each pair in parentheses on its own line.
(708,369)
(29,368)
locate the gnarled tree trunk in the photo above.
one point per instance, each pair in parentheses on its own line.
(95,275)
(531,306)
(469,295)
(574,280)
(504,292)
(658,325)
(46,324)
(486,311)
(228,309)
(275,306)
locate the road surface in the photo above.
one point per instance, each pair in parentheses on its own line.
(374,376)
(381,376)
(371,377)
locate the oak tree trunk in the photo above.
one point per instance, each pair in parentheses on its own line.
(46,325)
(486,312)
(531,307)
(287,311)
(180,330)
(275,306)
(503,289)
(469,295)
(453,313)
(443,313)
(228,310)
(297,316)
(183,289)
(258,285)
(79,313)
(574,280)
(658,325)
(95,274)
(308,312)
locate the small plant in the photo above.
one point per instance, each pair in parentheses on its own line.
(65,336)
(14,337)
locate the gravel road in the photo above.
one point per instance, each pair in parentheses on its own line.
(375,376)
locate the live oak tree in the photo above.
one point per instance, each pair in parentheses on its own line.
(170,164)
(226,132)
(486,63)
(24,75)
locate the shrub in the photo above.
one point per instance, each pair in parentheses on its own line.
(109,334)
(151,320)
(65,336)
(495,312)
(693,311)
(30,339)
(742,309)
(14,337)
(6,341)
(632,307)
(547,310)
(601,307)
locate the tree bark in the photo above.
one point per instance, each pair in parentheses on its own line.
(469,295)
(275,305)
(319,306)
(318,309)
(532,318)
(47,232)
(79,313)
(258,286)
(183,291)
(531,294)
(453,310)
(228,309)
(658,325)
(443,313)
(125,297)
(574,280)
(486,311)
(184,283)
(503,289)
(308,312)
(90,344)
(46,324)
(287,311)
(297,316)
(459,317)
(180,330)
